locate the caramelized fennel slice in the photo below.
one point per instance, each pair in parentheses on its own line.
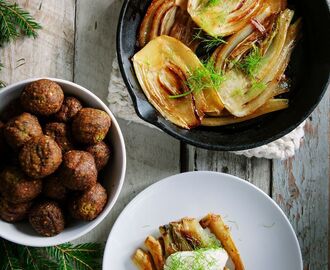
(273,53)
(222,232)
(271,105)
(277,5)
(283,60)
(240,97)
(222,53)
(155,249)
(146,24)
(222,18)
(142,260)
(162,68)
(168,17)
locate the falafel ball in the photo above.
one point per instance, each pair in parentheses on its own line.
(60,132)
(78,170)
(13,212)
(42,97)
(47,218)
(40,157)
(90,126)
(16,187)
(21,129)
(90,204)
(70,107)
(101,154)
(54,189)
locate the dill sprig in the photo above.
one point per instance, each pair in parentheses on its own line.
(15,22)
(198,260)
(202,78)
(61,257)
(251,62)
(208,42)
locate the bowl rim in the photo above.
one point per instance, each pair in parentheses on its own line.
(50,241)
(183,138)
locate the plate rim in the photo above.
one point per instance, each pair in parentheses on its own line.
(220,174)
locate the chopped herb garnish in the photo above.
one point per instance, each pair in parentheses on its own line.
(205,77)
(212,3)
(198,261)
(208,42)
(257,85)
(251,63)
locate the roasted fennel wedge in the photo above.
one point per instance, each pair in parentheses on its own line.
(271,105)
(253,76)
(163,68)
(168,17)
(222,17)
(190,244)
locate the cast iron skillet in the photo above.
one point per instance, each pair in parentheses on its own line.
(309,69)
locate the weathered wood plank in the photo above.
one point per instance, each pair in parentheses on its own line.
(256,171)
(51,54)
(301,188)
(151,154)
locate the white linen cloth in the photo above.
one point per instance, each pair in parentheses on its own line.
(121,105)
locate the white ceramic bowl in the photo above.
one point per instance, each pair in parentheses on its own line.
(113,175)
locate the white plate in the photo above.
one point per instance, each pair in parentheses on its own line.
(260,229)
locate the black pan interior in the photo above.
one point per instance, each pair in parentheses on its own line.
(309,71)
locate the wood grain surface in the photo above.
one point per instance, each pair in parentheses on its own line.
(52,53)
(78,43)
(301,188)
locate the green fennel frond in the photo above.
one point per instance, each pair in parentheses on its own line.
(205,77)
(15,22)
(251,62)
(208,42)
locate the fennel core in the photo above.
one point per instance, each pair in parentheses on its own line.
(202,78)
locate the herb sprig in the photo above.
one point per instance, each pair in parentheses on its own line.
(251,63)
(208,42)
(204,77)
(61,257)
(15,22)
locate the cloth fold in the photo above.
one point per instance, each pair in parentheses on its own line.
(121,105)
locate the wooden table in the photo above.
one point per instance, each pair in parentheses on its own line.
(77,43)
